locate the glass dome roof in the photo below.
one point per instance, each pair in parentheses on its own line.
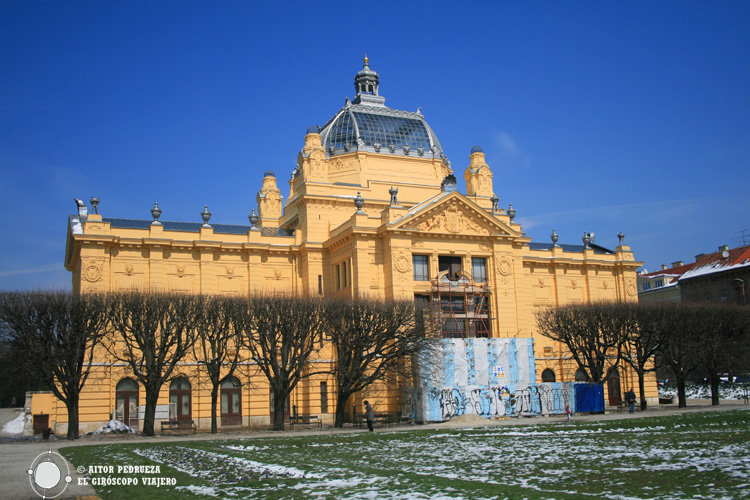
(367,124)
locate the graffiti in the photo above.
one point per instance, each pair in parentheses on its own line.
(502,401)
(411,399)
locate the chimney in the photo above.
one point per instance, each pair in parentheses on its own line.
(663,267)
(724,248)
(699,257)
(677,263)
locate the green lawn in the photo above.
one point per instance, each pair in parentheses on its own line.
(692,455)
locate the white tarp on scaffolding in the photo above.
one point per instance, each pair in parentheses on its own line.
(487,377)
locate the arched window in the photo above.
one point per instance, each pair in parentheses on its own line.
(179,399)
(581,375)
(126,402)
(231,407)
(548,375)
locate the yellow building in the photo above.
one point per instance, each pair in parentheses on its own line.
(372,211)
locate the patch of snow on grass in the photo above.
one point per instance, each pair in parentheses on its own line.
(200,490)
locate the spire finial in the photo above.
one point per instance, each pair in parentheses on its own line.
(366,60)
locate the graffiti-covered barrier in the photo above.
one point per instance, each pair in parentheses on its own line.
(486,377)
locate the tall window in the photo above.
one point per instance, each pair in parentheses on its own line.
(126,406)
(451,264)
(421,264)
(179,399)
(231,407)
(324,397)
(479,269)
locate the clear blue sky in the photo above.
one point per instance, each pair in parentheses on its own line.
(594,116)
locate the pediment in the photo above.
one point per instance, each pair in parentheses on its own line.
(454,214)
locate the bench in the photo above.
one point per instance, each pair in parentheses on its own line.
(178,425)
(309,420)
(623,405)
(381,419)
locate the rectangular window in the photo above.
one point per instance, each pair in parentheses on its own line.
(324,397)
(421,265)
(451,264)
(452,303)
(343,275)
(659,283)
(479,328)
(454,328)
(336,277)
(480,305)
(646,286)
(479,269)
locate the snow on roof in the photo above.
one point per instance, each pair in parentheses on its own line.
(717,263)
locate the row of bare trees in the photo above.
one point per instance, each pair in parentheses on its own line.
(687,339)
(152,333)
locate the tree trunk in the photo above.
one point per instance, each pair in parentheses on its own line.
(714,389)
(642,390)
(214,400)
(152,396)
(341,401)
(681,393)
(279,401)
(72,405)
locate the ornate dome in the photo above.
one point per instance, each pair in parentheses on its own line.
(367,124)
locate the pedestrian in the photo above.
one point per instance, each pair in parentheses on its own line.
(370,415)
(568,412)
(630,398)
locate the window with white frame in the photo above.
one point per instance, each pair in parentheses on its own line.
(479,269)
(421,266)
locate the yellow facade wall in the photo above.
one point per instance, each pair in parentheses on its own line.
(373,248)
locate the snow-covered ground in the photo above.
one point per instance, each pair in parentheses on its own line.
(15,426)
(672,457)
(703,391)
(114,426)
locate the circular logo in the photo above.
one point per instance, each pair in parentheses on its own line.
(92,273)
(402,263)
(46,475)
(504,267)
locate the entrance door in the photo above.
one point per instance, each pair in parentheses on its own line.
(40,423)
(179,399)
(231,407)
(613,387)
(126,407)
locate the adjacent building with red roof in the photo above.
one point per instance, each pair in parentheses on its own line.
(721,276)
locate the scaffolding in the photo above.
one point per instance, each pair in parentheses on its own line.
(462,306)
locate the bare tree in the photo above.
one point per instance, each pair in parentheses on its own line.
(281,334)
(58,333)
(154,332)
(644,342)
(217,345)
(722,340)
(680,331)
(371,340)
(593,333)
